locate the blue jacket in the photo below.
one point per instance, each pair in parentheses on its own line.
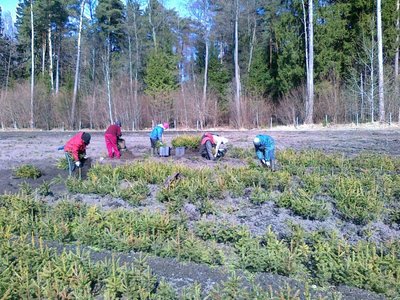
(157,132)
(266,149)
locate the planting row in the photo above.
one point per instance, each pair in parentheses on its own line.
(310,184)
(30,270)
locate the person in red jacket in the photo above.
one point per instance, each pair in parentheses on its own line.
(75,150)
(113,133)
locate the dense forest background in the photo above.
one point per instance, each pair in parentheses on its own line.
(240,63)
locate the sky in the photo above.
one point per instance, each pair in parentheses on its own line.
(179,5)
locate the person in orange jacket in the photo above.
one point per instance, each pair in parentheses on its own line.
(75,150)
(111,136)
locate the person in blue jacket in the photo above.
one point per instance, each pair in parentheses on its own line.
(156,135)
(265,150)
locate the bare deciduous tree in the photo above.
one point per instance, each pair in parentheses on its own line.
(32,123)
(380,62)
(310,66)
(237,69)
(78,55)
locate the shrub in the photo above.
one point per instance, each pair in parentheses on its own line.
(187,141)
(356,200)
(27,171)
(62,163)
(304,204)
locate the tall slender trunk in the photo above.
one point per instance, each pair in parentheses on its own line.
(108,79)
(32,123)
(362,96)
(50,58)
(372,100)
(130,69)
(58,67)
(237,69)
(78,56)
(43,54)
(93,88)
(137,61)
(153,29)
(310,83)
(380,62)
(306,42)
(196,96)
(185,114)
(252,42)
(396,58)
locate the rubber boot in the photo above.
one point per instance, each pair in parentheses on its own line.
(272,165)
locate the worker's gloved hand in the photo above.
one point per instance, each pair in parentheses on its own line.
(78,164)
(86,156)
(267,163)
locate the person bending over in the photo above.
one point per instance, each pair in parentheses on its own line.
(75,150)
(111,136)
(265,150)
(157,137)
(210,141)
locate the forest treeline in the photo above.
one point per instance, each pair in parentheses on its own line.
(241,63)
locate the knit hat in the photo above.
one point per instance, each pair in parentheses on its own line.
(86,138)
(118,123)
(257,141)
(165,125)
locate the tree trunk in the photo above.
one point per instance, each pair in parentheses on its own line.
(306,45)
(43,54)
(362,96)
(51,59)
(92,109)
(130,70)
(396,58)
(58,67)
(137,61)
(252,41)
(380,63)
(32,123)
(153,29)
(237,69)
(372,100)
(78,56)
(108,79)
(310,65)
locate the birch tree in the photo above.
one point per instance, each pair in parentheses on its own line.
(133,13)
(396,57)
(310,66)
(237,68)
(380,62)
(78,56)
(201,10)
(32,123)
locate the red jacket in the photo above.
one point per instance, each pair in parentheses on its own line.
(76,146)
(207,137)
(114,130)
